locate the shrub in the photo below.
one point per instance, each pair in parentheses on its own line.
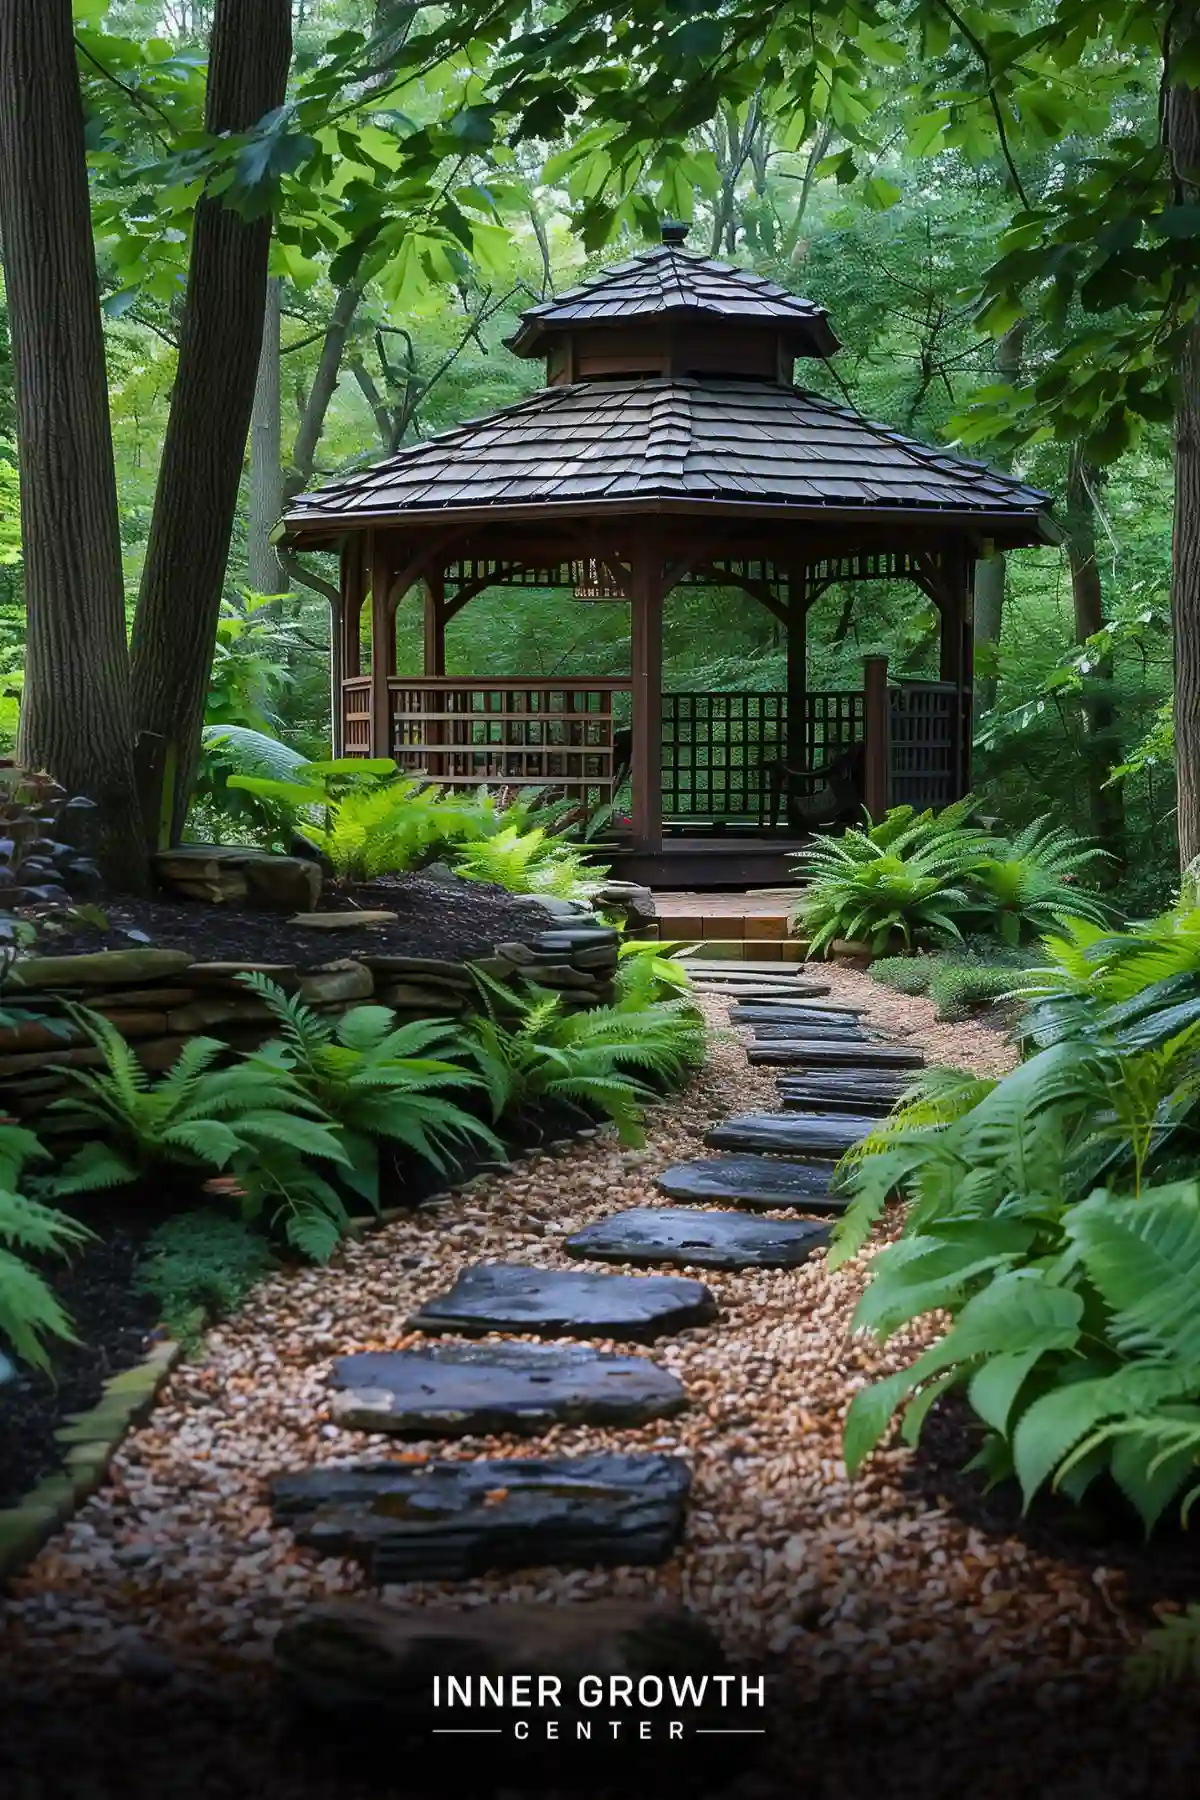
(959,980)
(30,1315)
(202,1265)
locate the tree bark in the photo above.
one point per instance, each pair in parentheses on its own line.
(1106,805)
(75,719)
(204,449)
(991,572)
(312,422)
(263,570)
(1183,127)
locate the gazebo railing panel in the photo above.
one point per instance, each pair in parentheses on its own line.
(926,727)
(718,748)
(356,716)
(510,732)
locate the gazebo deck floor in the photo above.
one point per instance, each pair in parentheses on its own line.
(729,860)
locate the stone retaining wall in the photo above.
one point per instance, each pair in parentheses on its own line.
(158,999)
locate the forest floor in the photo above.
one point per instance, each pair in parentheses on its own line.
(916,1641)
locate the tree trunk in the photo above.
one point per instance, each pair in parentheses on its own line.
(991,572)
(75,716)
(312,423)
(1106,805)
(263,571)
(1183,125)
(203,452)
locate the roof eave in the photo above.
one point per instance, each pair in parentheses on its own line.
(1007,529)
(533,337)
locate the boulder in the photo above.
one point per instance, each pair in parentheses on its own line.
(338,981)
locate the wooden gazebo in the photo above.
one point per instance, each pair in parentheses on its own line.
(669,447)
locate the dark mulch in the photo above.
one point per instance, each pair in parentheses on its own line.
(112,1321)
(452,920)
(1102,1532)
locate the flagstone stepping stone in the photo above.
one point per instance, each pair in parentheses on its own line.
(741,965)
(833,1053)
(883,1085)
(802,1098)
(804,1134)
(764,1181)
(449,1521)
(845,1031)
(705,1240)
(452,1390)
(566,1303)
(745,1012)
(760,991)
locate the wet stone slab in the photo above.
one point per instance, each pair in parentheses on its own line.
(453,1390)
(800,1134)
(759,1181)
(800,1096)
(450,1521)
(777,1031)
(566,1303)
(707,1240)
(758,990)
(833,1053)
(749,1012)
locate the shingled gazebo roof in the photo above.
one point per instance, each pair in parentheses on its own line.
(689,408)
(669,282)
(674,445)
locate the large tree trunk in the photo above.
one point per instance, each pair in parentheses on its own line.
(991,572)
(196,498)
(1183,124)
(1106,805)
(263,572)
(75,716)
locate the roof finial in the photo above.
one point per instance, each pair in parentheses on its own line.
(674,231)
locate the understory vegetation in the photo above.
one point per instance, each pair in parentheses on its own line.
(1054,1216)
(926,878)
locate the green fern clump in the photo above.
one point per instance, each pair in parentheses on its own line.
(376,1080)
(31,1318)
(1031,883)
(530,862)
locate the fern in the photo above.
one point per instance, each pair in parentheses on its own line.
(376,1080)
(30,1315)
(1170,1654)
(529,862)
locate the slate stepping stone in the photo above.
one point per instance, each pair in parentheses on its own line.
(802,1098)
(745,1012)
(705,1240)
(742,965)
(449,1521)
(845,1031)
(452,1390)
(833,1053)
(760,990)
(763,1181)
(566,1303)
(845,1090)
(803,1134)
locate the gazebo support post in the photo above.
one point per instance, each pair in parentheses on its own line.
(797,681)
(340,611)
(383,642)
(646,608)
(877,737)
(435,621)
(957,650)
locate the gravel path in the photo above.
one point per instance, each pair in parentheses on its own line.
(864,1599)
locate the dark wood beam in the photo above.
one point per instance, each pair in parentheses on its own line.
(646,606)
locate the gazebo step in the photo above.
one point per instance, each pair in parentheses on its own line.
(796,1134)
(691,1238)
(565,1303)
(761,1181)
(833,1053)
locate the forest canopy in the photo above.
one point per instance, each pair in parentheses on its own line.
(331,213)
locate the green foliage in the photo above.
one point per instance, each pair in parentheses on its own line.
(649,972)
(218,806)
(959,980)
(902,877)
(924,876)
(196,1117)
(250,663)
(200,1266)
(1033,1217)
(30,1315)
(376,1080)
(582,1058)
(530,862)
(1170,1654)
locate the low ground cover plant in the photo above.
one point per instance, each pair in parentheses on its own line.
(930,878)
(960,979)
